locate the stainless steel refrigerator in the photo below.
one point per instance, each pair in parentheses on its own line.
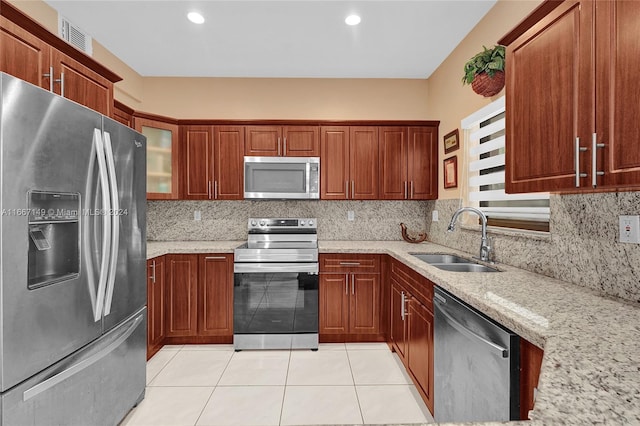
(72,260)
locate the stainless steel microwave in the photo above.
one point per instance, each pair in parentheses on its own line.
(282,178)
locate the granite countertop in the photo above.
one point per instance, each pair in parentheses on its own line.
(591,367)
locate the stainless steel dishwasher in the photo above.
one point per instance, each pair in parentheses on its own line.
(476,364)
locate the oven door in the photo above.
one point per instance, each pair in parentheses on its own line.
(275,305)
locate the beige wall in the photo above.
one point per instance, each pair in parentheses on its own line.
(449,101)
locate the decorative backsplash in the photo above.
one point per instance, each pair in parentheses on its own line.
(581,248)
(227,220)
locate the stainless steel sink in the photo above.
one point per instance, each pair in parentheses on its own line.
(464,267)
(440,258)
(453,263)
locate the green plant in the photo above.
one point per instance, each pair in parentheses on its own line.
(489,61)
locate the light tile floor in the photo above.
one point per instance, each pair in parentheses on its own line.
(210,385)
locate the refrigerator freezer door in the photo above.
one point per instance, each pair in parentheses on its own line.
(127,288)
(98,385)
(48,158)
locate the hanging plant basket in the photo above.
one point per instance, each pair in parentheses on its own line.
(487,86)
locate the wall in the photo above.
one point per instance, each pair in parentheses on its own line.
(449,101)
(227,220)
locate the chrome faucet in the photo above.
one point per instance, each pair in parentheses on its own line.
(485,246)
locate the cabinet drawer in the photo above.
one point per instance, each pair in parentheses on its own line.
(343,263)
(420,287)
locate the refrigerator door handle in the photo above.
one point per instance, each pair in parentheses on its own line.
(81,364)
(115,222)
(106,224)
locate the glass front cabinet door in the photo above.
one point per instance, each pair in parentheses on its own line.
(162,158)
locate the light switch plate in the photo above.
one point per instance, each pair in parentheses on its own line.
(197,215)
(630,229)
(351,215)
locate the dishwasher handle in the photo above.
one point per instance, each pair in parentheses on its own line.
(464,330)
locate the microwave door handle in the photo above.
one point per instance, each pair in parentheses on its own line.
(106,224)
(115,222)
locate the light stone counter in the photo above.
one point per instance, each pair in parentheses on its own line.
(591,367)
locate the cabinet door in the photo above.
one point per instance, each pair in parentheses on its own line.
(182,292)
(364,313)
(197,145)
(334,304)
(162,158)
(420,349)
(263,141)
(394,184)
(228,163)
(363,163)
(549,101)
(155,304)
(80,84)
(334,163)
(530,365)
(398,320)
(301,141)
(618,88)
(215,296)
(122,114)
(23,55)
(422,163)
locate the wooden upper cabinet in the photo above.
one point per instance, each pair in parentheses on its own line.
(290,141)
(122,114)
(31,53)
(213,162)
(23,55)
(334,162)
(82,85)
(363,163)
(422,163)
(163,158)
(617,91)
(394,183)
(549,101)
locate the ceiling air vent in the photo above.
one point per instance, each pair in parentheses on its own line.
(75,36)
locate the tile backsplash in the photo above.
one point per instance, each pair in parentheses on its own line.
(582,246)
(227,220)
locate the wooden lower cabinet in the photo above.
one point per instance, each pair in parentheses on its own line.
(155,304)
(419,352)
(398,332)
(530,364)
(199,300)
(349,299)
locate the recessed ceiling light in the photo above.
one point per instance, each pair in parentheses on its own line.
(352,20)
(195,17)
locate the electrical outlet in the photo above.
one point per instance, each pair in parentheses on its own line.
(197,215)
(351,215)
(630,229)
(434,216)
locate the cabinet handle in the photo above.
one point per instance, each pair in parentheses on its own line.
(284,148)
(49,75)
(209,190)
(215,190)
(350,263)
(153,268)
(594,169)
(279,146)
(61,81)
(353,190)
(346,188)
(402,298)
(346,283)
(353,287)
(411,190)
(215,258)
(405,190)
(578,150)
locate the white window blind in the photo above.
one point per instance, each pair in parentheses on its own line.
(485,132)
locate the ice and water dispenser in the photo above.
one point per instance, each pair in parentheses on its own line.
(54,237)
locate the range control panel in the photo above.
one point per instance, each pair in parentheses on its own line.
(282,224)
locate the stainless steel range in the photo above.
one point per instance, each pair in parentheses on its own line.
(276,285)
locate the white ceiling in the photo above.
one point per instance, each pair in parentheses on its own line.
(303,38)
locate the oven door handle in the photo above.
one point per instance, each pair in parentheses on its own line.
(243,268)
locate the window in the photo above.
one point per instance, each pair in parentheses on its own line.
(485,139)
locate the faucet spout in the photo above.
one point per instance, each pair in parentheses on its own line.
(485,248)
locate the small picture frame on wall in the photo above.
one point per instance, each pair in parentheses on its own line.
(451,141)
(451,172)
